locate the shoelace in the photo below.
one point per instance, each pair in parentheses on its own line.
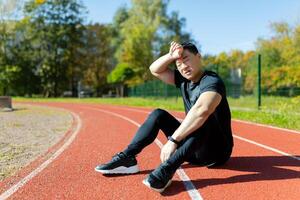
(117,156)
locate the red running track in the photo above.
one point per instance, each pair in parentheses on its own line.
(265,163)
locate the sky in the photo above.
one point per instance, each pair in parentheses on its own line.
(217,25)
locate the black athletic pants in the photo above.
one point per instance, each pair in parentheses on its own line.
(206,146)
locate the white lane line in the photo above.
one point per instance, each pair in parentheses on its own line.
(267,147)
(189,186)
(240,138)
(267,126)
(40,168)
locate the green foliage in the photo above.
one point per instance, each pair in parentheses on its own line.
(283,80)
(281,59)
(98,60)
(58,37)
(53,49)
(235,59)
(138,32)
(145,33)
(9,70)
(121,74)
(8,75)
(280,62)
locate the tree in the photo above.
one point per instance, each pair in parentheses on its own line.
(283,80)
(8,13)
(58,26)
(8,74)
(249,73)
(139,32)
(171,29)
(24,55)
(146,31)
(99,60)
(120,17)
(280,59)
(120,77)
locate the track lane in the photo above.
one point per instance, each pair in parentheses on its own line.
(251,173)
(20,176)
(266,135)
(72,175)
(190,188)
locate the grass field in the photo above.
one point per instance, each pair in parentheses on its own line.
(277,111)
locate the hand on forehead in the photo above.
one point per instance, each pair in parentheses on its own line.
(184,56)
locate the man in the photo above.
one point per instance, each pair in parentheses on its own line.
(204,137)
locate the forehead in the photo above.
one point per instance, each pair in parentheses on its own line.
(185,54)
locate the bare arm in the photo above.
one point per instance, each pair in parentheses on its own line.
(160,67)
(203,108)
(161,70)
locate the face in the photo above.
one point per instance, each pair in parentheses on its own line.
(188,65)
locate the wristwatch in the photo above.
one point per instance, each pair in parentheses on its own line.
(173,140)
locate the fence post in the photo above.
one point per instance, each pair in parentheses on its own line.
(259,82)
(166,90)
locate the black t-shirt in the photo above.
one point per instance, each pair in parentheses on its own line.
(210,81)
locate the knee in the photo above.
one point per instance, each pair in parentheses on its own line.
(157,114)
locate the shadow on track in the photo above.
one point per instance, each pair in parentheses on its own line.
(140,172)
(260,168)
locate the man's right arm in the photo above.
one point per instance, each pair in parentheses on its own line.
(160,67)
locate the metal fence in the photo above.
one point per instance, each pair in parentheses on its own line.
(233,79)
(155,88)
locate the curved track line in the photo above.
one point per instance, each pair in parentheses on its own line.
(241,138)
(191,189)
(267,147)
(40,168)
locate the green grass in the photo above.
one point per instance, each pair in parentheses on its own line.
(269,103)
(169,103)
(277,111)
(282,120)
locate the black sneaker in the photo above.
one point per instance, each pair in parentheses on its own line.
(120,164)
(160,178)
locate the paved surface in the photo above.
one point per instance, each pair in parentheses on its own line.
(265,163)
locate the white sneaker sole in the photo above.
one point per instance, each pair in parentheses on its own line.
(145,182)
(120,170)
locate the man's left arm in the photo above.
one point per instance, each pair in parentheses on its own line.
(202,109)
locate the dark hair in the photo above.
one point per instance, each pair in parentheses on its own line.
(190,47)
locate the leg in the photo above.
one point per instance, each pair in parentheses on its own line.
(161,177)
(125,162)
(146,134)
(182,154)
(186,151)
(208,146)
(217,148)
(205,146)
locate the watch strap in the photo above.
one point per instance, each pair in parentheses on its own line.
(173,140)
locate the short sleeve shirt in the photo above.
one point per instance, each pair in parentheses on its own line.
(209,81)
